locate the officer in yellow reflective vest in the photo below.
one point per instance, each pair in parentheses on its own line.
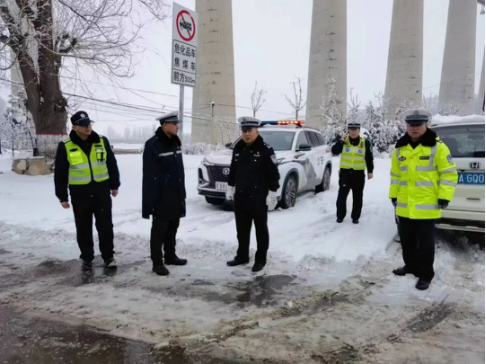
(356,157)
(86,163)
(423,180)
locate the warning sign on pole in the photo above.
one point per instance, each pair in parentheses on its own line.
(184,46)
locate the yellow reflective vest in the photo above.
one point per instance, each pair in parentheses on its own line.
(84,169)
(420,177)
(353,157)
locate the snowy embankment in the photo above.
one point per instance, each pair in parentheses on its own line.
(327,289)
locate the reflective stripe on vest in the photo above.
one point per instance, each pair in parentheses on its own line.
(353,157)
(83,170)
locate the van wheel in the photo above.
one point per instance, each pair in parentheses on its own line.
(289,193)
(326,181)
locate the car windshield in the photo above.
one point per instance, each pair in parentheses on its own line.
(463,141)
(278,140)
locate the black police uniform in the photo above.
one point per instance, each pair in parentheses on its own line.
(352,180)
(164,193)
(253,173)
(90,199)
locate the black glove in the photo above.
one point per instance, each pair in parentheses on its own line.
(443,204)
(394,202)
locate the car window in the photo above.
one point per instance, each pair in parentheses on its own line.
(320,138)
(314,141)
(278,140)
(463,141)
(301,139)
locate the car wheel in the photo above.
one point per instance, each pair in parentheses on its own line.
(326,181)
(214,200)
(289,193)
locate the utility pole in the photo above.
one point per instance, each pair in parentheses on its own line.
(181,114)
(213,139)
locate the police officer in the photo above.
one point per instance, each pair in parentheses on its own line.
(252,185)
(423,180)
(356,156)
(86,163)
(164,192)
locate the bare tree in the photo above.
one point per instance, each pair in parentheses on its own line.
(45,35)
(257,99)
(298,103)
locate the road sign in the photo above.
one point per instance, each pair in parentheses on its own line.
(184,46)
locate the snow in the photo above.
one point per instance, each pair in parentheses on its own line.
(326,285)
(440,119)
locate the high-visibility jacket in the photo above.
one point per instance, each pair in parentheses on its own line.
(353,157)
(84,169)
(420,177)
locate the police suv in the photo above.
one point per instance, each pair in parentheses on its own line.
(304,163)
(465,139)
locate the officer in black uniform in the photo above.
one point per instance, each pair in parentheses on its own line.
(85,171)
(164,192)
(352,173)
(252,185)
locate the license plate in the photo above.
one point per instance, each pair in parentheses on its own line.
(466,178)
(221,185)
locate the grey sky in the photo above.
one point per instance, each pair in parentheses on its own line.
(271,45)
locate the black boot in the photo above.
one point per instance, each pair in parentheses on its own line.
(237,261)
(422,284)
(401,271)
(339,221)
(355,221)
(257,267)
(175,261)
(87,265)
(160,270)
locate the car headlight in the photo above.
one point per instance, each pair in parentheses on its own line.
(207,163)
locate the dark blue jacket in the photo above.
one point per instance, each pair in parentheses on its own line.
(163,186)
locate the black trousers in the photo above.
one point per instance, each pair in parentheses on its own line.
(250,210)
(163,234)
(84,208)
(418,246)
(350,180)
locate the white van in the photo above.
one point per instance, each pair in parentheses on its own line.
(465,139)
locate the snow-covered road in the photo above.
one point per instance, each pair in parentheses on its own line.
(327,294)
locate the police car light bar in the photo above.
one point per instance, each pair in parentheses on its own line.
(283,122)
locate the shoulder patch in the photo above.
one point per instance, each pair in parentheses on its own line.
(450,160)
(273,157)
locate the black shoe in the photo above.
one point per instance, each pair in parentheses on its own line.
(355,221)
(235,262)
(160,270)
(339,221)
(401,271)
(175,261)
(87,265)
(110,263)
(257,267)
(422,284)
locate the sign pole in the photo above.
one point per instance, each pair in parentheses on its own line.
(181,113)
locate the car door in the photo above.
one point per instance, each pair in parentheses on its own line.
(466,144)
(304,159)
(316,169)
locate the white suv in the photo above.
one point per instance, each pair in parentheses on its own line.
(465,139)
(304,163)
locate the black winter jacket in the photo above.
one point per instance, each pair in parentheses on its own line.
(254,169)
(163,186)
(338,149)
(61,170)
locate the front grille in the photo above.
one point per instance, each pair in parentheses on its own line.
(216,174)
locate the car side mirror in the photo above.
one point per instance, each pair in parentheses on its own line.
(228,145)
(304,148)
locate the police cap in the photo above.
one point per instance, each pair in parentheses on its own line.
(417,116)
(171,117)
(81,118)
(354,124)
(247,122)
